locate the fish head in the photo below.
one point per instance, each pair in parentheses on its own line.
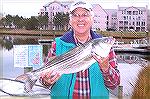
(101,46)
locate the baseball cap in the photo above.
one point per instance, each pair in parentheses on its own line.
(82,4)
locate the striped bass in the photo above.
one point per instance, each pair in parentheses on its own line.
(77,59)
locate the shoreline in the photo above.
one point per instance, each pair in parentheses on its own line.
(120,35)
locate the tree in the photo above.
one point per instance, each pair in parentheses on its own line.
(31,23)
(3,22)
(43,21)
(65,21)
(9,20)
(18,21)
(61,20)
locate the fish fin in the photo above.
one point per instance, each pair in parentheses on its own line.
(22,77)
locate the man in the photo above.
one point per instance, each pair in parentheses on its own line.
(93,82)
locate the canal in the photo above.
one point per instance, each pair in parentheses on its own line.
(129,65)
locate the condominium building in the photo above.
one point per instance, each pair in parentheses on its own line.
(100,18)
(112,19)
(132,18)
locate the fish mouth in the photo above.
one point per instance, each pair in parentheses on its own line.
(10,87)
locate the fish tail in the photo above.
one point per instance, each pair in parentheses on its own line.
(29,81)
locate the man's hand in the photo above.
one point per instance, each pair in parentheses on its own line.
(103,62)
(49,78)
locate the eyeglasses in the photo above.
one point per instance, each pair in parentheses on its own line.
(85,15)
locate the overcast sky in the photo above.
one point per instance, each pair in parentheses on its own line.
(28,8)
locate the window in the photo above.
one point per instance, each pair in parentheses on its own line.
(107,17)
(139,17)
(125,22)
(135,12)
(143,24)
(120,22)
(133,18)
(137,23)
(124,17)
(133,23)
(129,12)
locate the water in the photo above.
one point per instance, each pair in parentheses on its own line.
(129,66)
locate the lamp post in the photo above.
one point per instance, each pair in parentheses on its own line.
(54,32)
(121,35)
(41,33)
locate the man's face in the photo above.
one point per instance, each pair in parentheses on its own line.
(81,20)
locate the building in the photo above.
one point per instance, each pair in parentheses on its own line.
(148,21)
(51,9)
(100,18)
(132,18)
(112,19)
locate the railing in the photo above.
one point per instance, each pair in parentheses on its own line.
(141,42)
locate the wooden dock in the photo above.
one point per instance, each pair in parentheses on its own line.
(132,50)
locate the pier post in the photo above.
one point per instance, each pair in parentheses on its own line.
(120,92)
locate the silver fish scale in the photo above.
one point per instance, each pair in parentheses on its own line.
(73,62)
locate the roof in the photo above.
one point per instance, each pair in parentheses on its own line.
(138,8)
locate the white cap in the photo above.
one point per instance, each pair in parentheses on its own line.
(82,4)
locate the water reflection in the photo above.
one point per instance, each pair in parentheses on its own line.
(129,66)
(8,69)
(8,41)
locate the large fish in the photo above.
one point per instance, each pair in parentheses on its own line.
(77,59)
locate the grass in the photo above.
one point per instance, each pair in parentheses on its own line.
(142,87)
(115,34)
(125,34)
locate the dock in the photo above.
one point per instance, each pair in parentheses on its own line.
(45,41)
(132,50)
(137,46)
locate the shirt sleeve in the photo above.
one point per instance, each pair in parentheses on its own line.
(112,75)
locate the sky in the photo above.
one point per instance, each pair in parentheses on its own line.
(28,8)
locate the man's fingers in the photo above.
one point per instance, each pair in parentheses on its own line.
(55,78)
(50,77)
(101,59)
